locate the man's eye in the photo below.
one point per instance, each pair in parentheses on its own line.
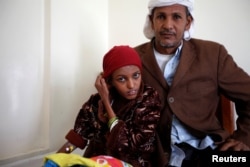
(176,16)
(161,17)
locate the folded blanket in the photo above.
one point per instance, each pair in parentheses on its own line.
(70,160)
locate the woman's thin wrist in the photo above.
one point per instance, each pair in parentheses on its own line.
(110,112)
(113,124)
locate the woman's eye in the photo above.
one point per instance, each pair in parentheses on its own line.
(137,75)
(121,79)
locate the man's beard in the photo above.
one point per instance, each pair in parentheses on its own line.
(168,45)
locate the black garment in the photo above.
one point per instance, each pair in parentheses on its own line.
(194,157)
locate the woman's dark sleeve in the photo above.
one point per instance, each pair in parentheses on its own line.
(85,123)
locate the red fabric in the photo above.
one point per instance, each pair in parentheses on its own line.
(105,160)
(118,57)
(76,139)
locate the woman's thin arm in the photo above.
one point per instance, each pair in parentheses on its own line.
(67,148)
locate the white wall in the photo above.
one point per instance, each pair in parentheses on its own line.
(51,52)
(126,21)
(21,78)
(79,35)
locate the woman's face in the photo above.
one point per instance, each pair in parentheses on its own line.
(127,81)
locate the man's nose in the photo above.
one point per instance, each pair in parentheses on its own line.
(168,23)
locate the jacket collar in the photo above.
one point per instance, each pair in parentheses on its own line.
(187,57)
(151,66)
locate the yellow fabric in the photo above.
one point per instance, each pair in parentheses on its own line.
(67,160)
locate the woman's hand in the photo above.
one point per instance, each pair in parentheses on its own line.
(102,88)
(234,145)
(105,108)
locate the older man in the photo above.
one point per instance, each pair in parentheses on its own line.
(190,75)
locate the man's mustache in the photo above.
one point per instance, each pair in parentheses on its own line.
(167,32)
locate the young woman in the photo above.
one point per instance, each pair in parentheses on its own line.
(120,120)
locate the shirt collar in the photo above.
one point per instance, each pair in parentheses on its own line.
(177,52)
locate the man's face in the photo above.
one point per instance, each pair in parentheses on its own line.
(169,24)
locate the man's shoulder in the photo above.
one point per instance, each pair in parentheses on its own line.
(194,41)
(143,46)
(202,42)
(144,49)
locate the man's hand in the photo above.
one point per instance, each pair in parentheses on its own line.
(234,145)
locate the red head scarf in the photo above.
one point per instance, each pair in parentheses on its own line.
(118,57)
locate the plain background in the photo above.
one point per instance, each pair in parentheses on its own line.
(51,52)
